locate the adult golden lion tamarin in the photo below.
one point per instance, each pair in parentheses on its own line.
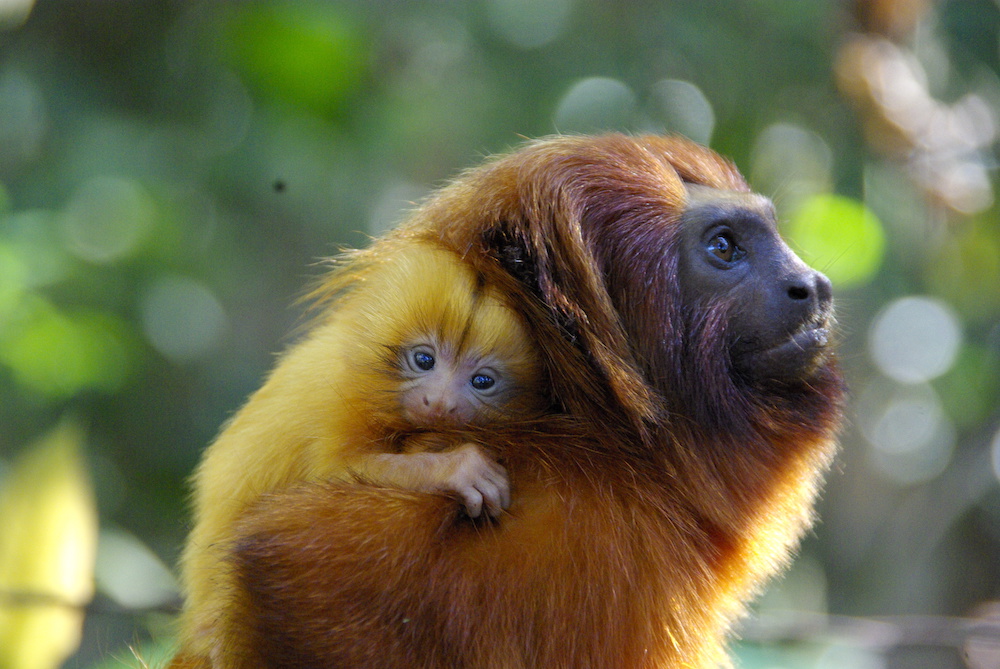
(695,399)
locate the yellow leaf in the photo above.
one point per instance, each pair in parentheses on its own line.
(48,543)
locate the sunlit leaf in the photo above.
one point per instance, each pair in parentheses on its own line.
(48,543)
(59,354)
(35,241)
(838,236)
(308,54)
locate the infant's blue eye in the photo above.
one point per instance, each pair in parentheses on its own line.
(482,382)
(423,360)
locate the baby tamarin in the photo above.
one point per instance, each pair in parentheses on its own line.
(411,351)
(440,385)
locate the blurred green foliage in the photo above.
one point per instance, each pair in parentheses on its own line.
(170,172)
(310,56)
(840,236)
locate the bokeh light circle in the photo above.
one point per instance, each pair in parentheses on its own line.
(182,318)
(595,104)
(911,437)
(915,339)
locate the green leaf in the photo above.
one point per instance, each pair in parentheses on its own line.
(59,354)
(310,55)
(839,236)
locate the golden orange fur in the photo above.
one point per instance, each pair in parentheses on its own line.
(329,410)
(657,497)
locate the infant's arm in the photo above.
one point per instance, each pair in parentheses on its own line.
(465,472)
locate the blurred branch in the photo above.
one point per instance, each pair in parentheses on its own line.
(16,598)
(880,633)
(101,606)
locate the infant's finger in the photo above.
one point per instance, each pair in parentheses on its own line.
(473,501)
(502,484)
(496,469)
(504,493)
(499,491)
(493,498)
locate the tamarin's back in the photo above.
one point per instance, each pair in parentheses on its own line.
(601,565)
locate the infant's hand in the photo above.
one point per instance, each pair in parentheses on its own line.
(477,480)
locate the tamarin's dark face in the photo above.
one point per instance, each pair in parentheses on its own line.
(779,311)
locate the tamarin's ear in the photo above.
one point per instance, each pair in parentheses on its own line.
(578,304)
(516,258)
(513,256)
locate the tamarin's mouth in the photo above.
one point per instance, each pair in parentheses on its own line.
(812,335)
(794,357)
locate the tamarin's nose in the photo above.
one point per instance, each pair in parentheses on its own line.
(439,406)
(812,288)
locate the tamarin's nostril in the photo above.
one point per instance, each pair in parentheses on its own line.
(798,292)
(801,286)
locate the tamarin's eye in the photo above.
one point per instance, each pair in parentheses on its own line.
(421,360)
(424,361)
(724,248)
(483,381)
